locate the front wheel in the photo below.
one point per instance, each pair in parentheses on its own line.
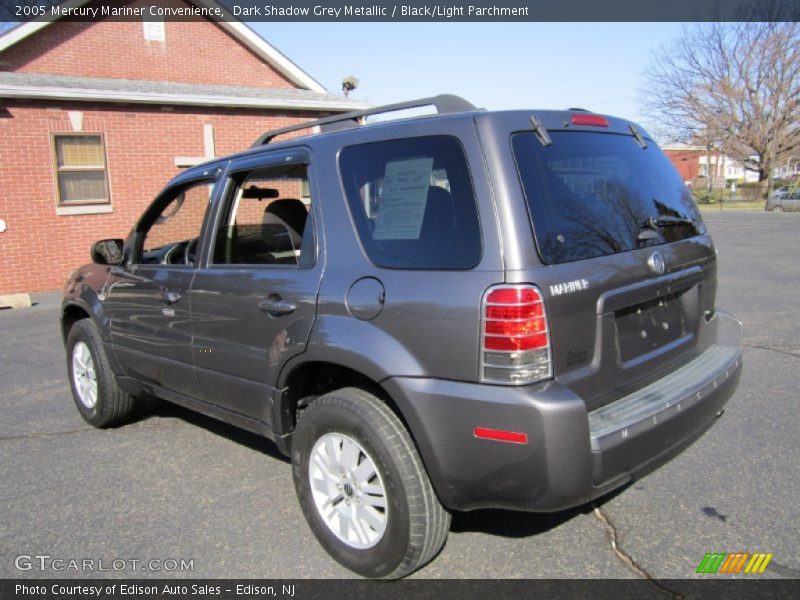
(363,488)
(97,395)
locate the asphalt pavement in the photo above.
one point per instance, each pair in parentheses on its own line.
(176,486)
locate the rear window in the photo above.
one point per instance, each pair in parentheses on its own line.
(412,203)
(590,194)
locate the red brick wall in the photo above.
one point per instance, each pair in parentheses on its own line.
(39,249)
(185,224)
(686,162)
(191,53)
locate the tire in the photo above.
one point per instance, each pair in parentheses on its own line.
(351,428)
(100,400)
(778,208)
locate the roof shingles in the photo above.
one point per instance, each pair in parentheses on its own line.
(36,85)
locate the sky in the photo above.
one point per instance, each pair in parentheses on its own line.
(597,66)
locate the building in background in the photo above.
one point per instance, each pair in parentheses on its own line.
(96,117)
(693,162)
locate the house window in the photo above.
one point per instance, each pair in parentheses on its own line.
(154,31)
(80,164)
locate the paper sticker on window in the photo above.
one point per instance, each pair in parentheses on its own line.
(402,204)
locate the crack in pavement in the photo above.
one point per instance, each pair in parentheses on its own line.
(44,434)
(611,532)
(133,426)
(772,349)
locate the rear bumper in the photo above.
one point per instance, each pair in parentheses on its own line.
(572,456)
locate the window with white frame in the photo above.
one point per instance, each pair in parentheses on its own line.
(80,169)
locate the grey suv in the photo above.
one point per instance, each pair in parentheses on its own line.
(465,310)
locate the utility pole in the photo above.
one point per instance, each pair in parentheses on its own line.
(708,162)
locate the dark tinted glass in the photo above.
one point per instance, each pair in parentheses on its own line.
(412,203)
(591,194)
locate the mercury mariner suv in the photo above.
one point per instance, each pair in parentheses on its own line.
(450,312)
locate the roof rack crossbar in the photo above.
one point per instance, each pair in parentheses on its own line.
(444,104)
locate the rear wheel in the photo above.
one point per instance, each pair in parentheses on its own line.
(97,395)
(363,488)
(778,208)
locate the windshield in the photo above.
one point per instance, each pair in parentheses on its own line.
(592,194)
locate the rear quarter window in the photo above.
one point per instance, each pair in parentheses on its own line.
(413,203)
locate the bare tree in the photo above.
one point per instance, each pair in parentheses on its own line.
(735,86)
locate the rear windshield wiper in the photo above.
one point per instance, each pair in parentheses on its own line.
(540,132)
(649,229)
(638,137)
(667,221)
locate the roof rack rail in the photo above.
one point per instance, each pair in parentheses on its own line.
(444,103)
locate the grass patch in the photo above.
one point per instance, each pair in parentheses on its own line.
(723,199)
(723,206)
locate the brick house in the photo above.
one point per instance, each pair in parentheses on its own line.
(95,117)
(685,159)
(692,163)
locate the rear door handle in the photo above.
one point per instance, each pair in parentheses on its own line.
(276,306)
(170,297)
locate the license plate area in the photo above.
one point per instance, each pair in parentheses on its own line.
(650,325)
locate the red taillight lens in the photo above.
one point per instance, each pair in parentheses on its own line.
(524,311)
(594,120)
(523,295)
(516,328)
(516,341)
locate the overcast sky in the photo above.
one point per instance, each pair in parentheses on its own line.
(597,66)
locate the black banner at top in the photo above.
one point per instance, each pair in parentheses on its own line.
(441,11)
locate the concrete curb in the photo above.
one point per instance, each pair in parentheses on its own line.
(15,301)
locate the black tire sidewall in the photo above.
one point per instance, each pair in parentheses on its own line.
(331,417)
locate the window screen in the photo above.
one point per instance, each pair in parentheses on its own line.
(413,203)
(80,169)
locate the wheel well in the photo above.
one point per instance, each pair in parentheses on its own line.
(72,314)
(311,380)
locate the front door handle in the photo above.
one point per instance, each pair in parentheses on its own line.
(170,297)
(276,306)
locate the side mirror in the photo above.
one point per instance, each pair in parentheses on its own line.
(107,252)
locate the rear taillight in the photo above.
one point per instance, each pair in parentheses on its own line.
(515,339)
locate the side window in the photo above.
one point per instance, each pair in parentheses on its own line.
(267,219)
(413,203)
(171,227)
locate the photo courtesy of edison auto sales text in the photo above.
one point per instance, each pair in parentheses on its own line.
(135,590)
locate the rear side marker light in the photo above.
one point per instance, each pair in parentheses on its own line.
(593,120)
(500,435)
(515,337)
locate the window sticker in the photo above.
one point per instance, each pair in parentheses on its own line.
(405,194)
